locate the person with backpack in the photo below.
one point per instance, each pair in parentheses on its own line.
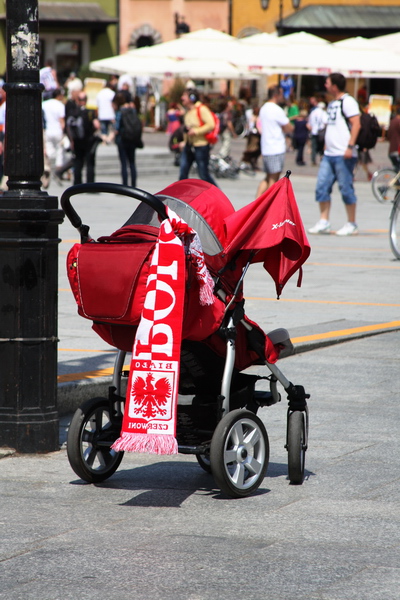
(128,135)
(83,130)
(198,123)
(340,156)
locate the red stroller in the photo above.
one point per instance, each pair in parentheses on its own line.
(216,415)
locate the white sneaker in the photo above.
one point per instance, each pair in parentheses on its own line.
(348,229)
(321,227)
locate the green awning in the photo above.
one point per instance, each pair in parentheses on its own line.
(367,21)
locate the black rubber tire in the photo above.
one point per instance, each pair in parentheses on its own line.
(295,447)
(204,462)
(89,440)
(394,228)
(239,453)
(380,188)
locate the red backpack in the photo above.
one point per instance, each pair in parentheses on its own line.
(211,136)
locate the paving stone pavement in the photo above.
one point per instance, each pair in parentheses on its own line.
(159,528)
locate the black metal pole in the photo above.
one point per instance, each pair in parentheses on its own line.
(29,220)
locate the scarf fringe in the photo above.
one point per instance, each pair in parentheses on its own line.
(144,442)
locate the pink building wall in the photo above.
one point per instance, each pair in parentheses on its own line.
(156,17)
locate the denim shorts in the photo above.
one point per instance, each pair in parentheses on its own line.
(340,169)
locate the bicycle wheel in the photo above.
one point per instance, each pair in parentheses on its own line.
(90,436)
(380,184)
(394,227)
(296,447)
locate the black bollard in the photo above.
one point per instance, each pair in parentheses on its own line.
(29,220)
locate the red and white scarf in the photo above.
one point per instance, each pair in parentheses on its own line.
(149,423)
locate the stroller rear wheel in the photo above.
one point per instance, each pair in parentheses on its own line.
(239,453)
(90,436)
(296,440)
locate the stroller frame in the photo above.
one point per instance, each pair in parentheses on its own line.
(236,451)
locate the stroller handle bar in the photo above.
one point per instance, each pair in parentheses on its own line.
(112,188)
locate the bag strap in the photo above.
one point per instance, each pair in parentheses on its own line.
(199,115)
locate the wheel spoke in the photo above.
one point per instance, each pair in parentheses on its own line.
(87,436)
(252,437)
(230,456)
(90,456)
(237,433)
(253,465)
(239,475)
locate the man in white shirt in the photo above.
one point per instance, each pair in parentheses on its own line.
(274,124)
(54,117)
(340,156)
(105,109)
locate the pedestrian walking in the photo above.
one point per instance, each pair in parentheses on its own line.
(198,121)
(48,78)
(300,136)
(274,125)
(54,123)
(105,109)
(83,130)
(393,136)
(227,130)
(317,120)
(340,156)
(253,140)
(128,136)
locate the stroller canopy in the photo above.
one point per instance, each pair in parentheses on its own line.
(269,230)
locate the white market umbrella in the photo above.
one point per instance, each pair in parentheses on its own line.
(203,44)
(259,52)
(390,42)
(127,63)
(160,68)
(363,57)
(302,38)
(298,53)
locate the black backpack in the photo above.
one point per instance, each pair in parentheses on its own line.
(370,130)
(131,127)
(76,127)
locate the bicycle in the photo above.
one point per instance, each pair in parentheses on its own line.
(394,227)
(228,168)
(385,184)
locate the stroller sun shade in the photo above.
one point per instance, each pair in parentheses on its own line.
(270,230)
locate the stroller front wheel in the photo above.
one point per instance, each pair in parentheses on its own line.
(239,453)
(296,446)
(204,461)
(90,436)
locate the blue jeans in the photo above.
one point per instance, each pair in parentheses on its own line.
(340,169)
(126,153)
(200,154)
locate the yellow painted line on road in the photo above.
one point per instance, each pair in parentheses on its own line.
(345,332)
(304,301)
(88,374)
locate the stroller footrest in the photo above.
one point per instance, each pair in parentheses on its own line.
(264,398)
